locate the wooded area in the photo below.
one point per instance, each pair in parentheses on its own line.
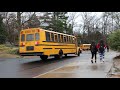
(90,28)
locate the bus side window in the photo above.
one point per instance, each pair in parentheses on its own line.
(73,39)
(47,36)
(64,39)
(68,39)
(58,37)
(52,37)
(61,38)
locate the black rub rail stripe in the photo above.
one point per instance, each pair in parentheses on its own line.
(65,48)
(47,48)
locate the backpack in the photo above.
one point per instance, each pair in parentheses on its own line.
(93,48)
(101,49)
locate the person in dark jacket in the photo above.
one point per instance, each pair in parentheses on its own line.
(93,49)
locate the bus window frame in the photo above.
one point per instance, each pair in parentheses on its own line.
(59,38)
(52,38)
(55,40)
(38,36)
(67,39)
(73,40)
(64,39)
(49,36)
(21,38)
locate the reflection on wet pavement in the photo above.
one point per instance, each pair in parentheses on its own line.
(82,69)
(78,71)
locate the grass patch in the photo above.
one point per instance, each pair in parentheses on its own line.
(13,51)
(9,49)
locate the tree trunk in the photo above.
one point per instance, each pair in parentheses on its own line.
(19,21)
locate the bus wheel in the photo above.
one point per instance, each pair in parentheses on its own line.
(44,57)
(78,53)
(56,56)
(65,55)
(60,54)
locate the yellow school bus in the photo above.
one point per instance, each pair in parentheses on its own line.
(44,43)
(85,46)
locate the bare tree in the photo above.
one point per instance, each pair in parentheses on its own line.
(116,18)
(72,19)
(11,23)
(15,21)
(88,22)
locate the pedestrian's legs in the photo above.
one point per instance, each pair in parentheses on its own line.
(95,57)
(100,56)
(92,57)
(103,56)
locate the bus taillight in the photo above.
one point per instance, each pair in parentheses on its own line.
(22,44)
(36,43)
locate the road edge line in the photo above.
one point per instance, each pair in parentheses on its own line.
(48,72)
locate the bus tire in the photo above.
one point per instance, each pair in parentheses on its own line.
(65,55)
(59,56)
(44,57)
(78,53)
(56,56)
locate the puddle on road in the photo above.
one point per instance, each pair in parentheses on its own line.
(94,67)
(94,70)
(67,69)
(60,75)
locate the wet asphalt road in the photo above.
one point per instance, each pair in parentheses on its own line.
(28,68)
(83,68)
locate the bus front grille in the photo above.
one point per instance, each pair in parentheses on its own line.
(28,48)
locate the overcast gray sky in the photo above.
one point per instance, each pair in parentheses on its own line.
(78,20)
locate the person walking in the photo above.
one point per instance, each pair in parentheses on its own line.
(93,49)
(101,49)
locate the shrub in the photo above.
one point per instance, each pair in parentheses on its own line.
(13,51)
(114,40)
